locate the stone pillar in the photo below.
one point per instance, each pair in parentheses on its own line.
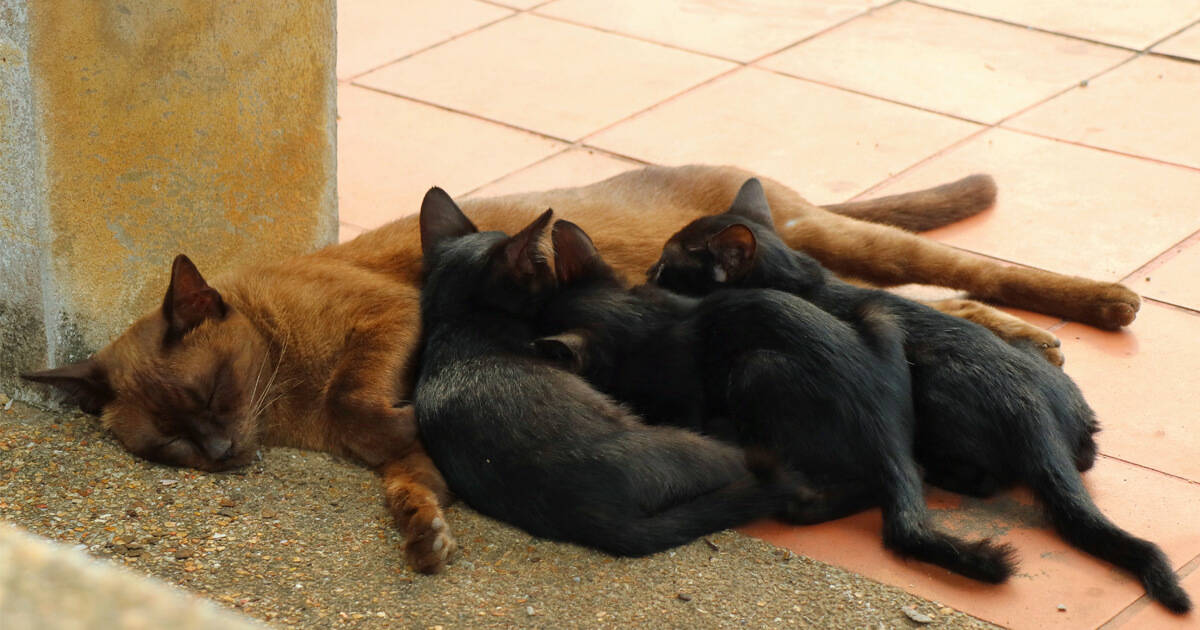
(134,130)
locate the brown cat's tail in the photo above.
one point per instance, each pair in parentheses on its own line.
(925,209)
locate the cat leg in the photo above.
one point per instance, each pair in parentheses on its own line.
(380,430)
(415,493)
(678,486)
(888,256)
(1012,329)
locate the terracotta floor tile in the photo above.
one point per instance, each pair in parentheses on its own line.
(827,143)
(521,4)
(1144,385)
(391,150)
(545,75)
(374,32)
(944,61)
(741,31)
(1177,281)
(1063,207)
(1185,44)
(1146,503)
(575,167)
(1145,107)
(347,232)
(1145,615)
(1131,24)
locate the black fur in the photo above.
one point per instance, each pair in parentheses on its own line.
(525,442)
(768,370)
(989,414)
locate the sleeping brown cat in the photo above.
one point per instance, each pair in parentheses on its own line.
(313,352)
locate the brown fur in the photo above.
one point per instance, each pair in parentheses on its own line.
(316,348)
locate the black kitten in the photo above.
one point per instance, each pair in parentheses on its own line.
(525,442)
(769,370)
(989,415)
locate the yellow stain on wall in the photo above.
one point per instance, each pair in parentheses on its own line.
(197,126)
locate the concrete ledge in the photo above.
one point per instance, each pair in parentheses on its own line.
(48,586)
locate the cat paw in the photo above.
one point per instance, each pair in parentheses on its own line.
(428,544)
(1114,306)
(1050,347)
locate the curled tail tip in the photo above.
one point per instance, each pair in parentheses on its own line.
(982,188)
(999,560)
(1163,587)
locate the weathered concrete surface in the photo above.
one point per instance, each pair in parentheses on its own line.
(133,130)
(303,540)
(43,586)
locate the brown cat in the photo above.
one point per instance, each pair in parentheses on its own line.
(313,352)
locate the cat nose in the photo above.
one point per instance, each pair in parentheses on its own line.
(217,447)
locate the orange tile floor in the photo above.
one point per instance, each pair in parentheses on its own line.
(1086,111)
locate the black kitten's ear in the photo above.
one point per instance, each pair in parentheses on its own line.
(734,249)
(751,204)
(189,299)
(523,253)
(568,350)
(441,219)
(575,256)
(84,384)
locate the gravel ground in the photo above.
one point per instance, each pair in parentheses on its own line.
(302,539)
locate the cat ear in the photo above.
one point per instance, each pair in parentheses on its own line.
(83,383)
(441,219)
(568,350)
(189,300)
(575,257)
(523,252)
(734,249)
(751,204)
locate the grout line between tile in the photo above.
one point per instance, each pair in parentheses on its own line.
(1149,468)
(464,113)
(994,125)
(638,38)
(1098,148)
(1175,307)
(1029,27)
(740,66)
(1120,619)
(354,77)
(515,171)
(1164,257)
(1186,27)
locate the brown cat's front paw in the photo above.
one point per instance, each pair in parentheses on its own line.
(1114,306)
(1053,354)
(428,543)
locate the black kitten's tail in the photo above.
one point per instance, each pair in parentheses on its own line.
(1060,488)
(907,531)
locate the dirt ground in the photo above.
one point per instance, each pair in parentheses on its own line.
(302,539)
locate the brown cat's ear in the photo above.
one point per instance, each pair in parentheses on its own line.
(83,383)
(441,219)
(523,252)
(575,257)
(734,249)
(751,204)
(189,300)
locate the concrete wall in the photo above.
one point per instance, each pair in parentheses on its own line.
(133,130)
